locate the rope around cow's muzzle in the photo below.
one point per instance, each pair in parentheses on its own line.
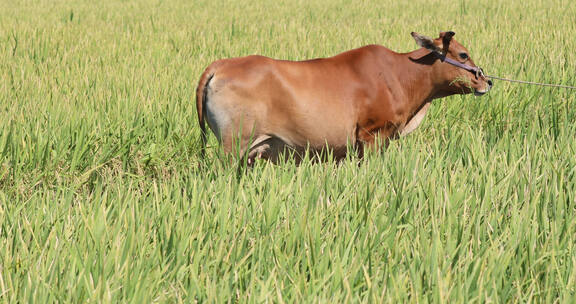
(478,72)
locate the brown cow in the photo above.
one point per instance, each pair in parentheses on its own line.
(258,106)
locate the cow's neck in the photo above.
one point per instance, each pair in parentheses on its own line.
(417,78)
(410,87)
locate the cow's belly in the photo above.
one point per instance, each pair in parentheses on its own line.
(314,125)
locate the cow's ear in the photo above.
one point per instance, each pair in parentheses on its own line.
(426,42)
(446,37)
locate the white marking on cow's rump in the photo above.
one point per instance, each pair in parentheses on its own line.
(216,116)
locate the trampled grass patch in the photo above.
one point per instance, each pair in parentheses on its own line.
(103,197)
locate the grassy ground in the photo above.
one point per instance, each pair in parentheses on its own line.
(101,198)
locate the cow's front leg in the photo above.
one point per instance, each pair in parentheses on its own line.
(376,139)
(416,120)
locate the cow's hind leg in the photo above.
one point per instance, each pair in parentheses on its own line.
(267,147)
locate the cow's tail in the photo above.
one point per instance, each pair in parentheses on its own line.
(201,92)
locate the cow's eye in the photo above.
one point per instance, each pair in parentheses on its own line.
(463,56)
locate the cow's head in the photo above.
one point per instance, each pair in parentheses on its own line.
(457,72)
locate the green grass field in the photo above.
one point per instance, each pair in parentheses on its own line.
(102,198)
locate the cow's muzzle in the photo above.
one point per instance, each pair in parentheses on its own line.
(487,88)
